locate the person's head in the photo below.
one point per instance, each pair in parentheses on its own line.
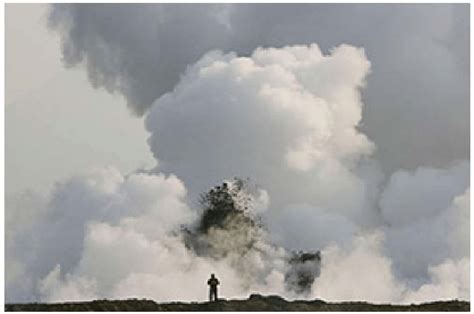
(212,276)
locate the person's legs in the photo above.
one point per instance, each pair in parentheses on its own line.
(213,294)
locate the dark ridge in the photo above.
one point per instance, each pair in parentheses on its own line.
(254,303)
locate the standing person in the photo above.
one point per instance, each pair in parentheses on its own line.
(213,282)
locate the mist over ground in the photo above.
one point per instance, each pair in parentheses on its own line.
(352,121)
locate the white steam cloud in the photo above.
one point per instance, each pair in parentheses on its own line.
(289,119)
(290,110)
(142,50)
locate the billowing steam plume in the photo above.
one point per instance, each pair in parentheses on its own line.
(142,50)
(319,217)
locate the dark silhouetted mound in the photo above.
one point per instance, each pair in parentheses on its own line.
(254,303)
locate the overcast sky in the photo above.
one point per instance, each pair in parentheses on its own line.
(56,123)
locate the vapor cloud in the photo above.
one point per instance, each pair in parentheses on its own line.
(121,257)
(290,110)
(419,55)
(427,212)
(288,118)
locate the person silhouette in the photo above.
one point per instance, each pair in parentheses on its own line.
(213,282)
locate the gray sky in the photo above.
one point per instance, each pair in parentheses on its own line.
(56,123)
